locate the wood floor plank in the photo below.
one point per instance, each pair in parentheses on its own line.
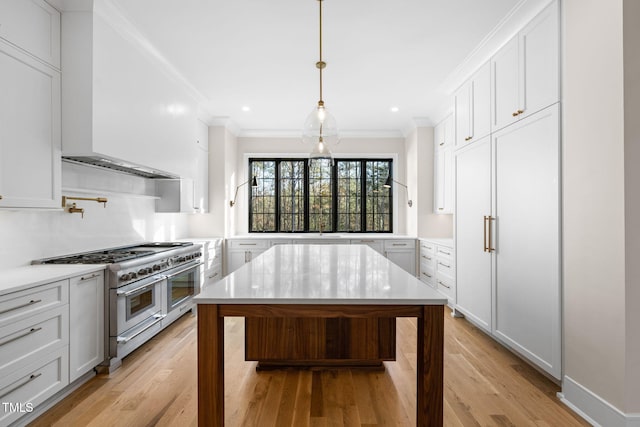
(485,385)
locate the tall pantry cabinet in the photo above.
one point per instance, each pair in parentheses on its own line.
(508,202)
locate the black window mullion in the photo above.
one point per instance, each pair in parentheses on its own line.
(363,196)
(334,195)
(307,195)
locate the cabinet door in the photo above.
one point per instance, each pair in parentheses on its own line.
(29,132)
(527,228)
(506,85)
(443,185)
(86,316)
(236,260)
(539,70)
(201,178)
(473,203)
(462,115)
(480,117)
(403,258)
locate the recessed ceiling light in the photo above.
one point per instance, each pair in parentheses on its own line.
(246,109)
(394,109)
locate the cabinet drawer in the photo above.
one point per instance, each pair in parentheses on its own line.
(249,244)
(447,287)
(33,26)
(212,275)
(427,258)
(444,252)
(399,244)
(445,267)
(427,247)
(29,339)
(427,276)
(18,305)
(33,384)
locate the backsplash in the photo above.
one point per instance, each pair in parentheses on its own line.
(129,217)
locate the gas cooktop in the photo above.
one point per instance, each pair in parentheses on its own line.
(115,255)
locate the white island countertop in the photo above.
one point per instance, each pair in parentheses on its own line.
(320,274)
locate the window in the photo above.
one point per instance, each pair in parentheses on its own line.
(302,195)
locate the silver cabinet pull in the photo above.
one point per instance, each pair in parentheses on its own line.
(213,275)
(444,265)
(366,241)
(399,244)
(426,257)
(428,275)
(29,332)
(444,252)
(94,275)
(31,378)
(440,283)
(247,244)
(21,306)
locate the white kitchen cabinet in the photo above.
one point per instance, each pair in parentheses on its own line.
(473,108)
(86,314)
(427,262)
(473,203)
(29,130)
(437,267)
(376,244)
(402,253)
(443,180)
(507,202)
(212,260)
(525,72)
(242,251)
(527,240)
(33,26)
(201,178)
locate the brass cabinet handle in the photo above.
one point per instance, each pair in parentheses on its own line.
(517,113)
(468,138)
(484,239)
(488,234)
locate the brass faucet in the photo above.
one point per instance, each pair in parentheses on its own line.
(72,208)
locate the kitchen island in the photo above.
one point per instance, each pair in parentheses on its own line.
(320,282)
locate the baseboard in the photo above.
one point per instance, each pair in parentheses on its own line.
(593,408)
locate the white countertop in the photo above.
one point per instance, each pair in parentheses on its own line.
(328,236)
(19,278)
(444,241)
(320,274)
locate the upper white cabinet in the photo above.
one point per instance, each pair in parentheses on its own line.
(29,105)
(443,165)
(201,178)
(110,78)
(33,26)
(472,108)
(525,72)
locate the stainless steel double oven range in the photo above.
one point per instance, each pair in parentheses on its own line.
(148,286)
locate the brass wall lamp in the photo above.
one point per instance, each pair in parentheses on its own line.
(254,184)
(389,182)
(72,208)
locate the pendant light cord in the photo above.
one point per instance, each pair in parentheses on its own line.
(320,64)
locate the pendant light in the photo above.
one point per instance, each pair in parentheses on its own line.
(320,128)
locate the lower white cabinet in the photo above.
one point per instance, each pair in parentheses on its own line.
(375,244)
(50,335)
(242,251)
(437,267)
(507,237)
(86,339)
(402,253)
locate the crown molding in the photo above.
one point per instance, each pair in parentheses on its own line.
(345,134)
(523,12)
(225,122)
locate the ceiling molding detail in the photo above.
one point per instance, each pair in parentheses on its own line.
(522,12)
(121,24)
(226,123)
(264,133)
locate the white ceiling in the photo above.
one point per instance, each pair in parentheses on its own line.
(261,54)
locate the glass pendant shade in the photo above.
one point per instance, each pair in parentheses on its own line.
(320,150)
(320,124)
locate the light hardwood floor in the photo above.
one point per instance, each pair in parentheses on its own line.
(485,385)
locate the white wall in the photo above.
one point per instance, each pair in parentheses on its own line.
(28,235)
(631,33)
(350,146)
(600,230)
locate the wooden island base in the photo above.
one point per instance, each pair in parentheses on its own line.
(277,342)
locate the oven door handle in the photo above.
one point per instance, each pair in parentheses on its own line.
(183,270)
(124,340)
(139,288)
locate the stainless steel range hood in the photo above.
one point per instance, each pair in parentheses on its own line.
(121,166)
